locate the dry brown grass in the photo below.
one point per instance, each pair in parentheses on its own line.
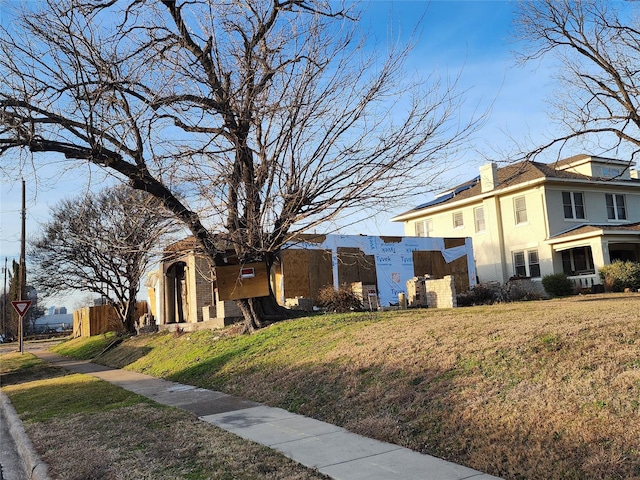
(532,390)
(536,390)
(86,429)
(146,442)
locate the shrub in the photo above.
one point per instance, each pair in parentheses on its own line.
(620,275)
(558,285)
(520,289)
(341,300)
(480,294)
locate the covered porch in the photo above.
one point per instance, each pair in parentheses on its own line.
(580,252)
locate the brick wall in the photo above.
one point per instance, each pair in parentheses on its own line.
(441,293)
(417,292)
(203,287)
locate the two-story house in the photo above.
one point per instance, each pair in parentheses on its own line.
(531,219)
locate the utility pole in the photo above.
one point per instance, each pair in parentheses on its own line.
(5,297)
(22,293)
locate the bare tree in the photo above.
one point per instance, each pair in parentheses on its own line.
(597,44)
(100,243)
(12,319)
(253,121)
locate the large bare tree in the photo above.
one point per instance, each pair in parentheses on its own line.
(252,120)
(596,44)
(101,243)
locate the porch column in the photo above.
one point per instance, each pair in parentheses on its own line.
(169,294)
(600,252)
(160,297)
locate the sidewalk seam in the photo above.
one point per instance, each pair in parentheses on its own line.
(360,458)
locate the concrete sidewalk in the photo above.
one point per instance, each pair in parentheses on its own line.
(331,450)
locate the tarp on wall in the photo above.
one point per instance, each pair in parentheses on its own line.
(393,258)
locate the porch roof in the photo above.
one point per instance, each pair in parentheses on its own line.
(568,239)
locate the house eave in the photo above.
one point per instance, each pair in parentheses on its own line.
(596,232)
(466,201)
(595,181)
(573,238)
(410,215)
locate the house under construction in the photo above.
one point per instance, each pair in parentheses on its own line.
(186,289)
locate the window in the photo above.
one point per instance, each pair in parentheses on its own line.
(534,263)
(577,261)
(610,172)
(520,206)
(520,265)
(458,221)
(615,207)
(424,228)
(478,215)
(622,255)
(573,205)
(526,263)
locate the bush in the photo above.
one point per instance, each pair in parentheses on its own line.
(340,301)
(620,275)
(480,294)
(558,285)
(520,290)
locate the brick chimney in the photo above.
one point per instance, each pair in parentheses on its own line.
(488,177)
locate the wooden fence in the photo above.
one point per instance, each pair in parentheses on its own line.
(89,321)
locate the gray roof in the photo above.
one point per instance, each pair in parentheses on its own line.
(511,175)
(583,229)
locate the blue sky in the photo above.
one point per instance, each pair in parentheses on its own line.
(470,38)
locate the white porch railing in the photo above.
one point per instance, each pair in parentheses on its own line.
(586,280)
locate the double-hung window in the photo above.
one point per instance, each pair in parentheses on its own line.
(458,220)
(520,207)
(424,228)
(616,209)
(573,205)
(526,263)
(478,215)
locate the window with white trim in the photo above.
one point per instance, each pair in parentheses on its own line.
(458,220)
(520,207)
(573,205)
(616,209)
(609,172)
(534,263)
(578,261)
(424,228)
(526,263)
(478,215)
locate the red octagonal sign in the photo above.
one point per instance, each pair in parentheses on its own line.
(21,306)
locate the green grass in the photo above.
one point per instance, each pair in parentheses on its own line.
(543,389)
(61,395)
(85,428)
(69,395)
(84,348)
(15,363)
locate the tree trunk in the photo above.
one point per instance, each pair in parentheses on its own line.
(130,311)
(130,320)
(259,312)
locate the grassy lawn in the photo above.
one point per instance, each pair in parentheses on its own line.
(534,390)
(84,428)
